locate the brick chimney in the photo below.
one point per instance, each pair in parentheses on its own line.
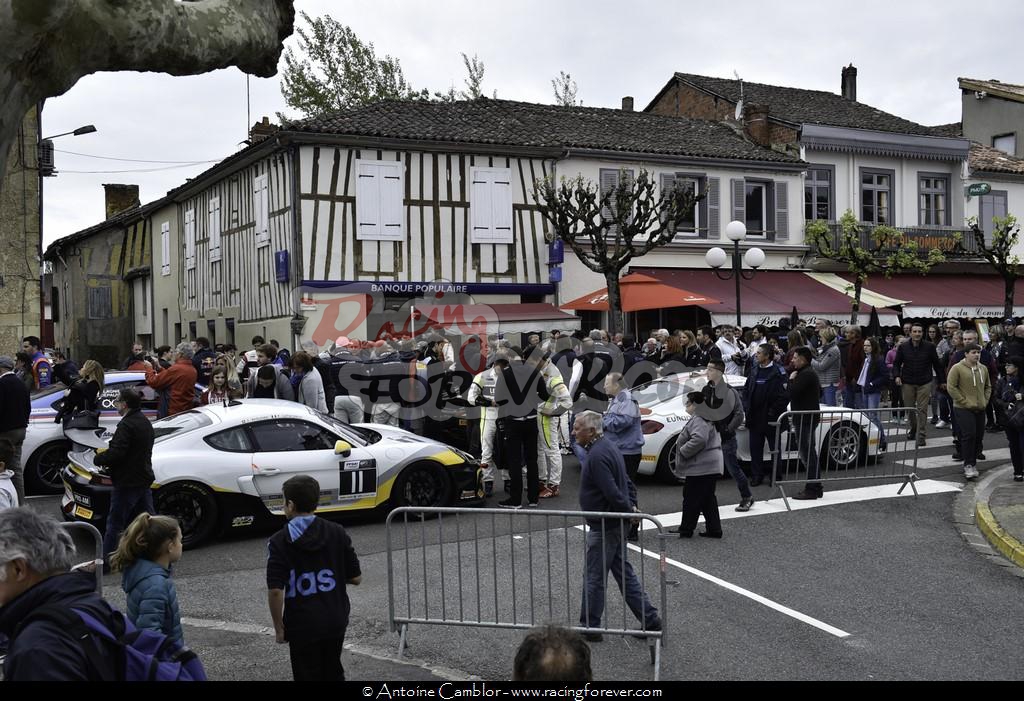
(850,83)
(262,130)
(755,124)
(627,103)
(119,198)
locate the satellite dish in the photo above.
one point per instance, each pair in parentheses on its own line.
(739,103)
(739,110)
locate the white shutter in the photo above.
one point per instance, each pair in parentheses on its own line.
(781,210)
(491,205)
(165,248)
(213,229)
(261,205)
(190,239)
(481,205)
(391,195)
(368,185)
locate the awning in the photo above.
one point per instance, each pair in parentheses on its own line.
(868,297)
(471,319)
(768,297)
(640,292)
(948,296)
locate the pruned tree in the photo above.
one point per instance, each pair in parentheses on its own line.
(999,254)
(608,230)
(47,46)
(334,70)
(883,250)
(565,90)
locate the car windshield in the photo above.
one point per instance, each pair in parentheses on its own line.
(47,391)
(667,388)
(180,423)
(352,434)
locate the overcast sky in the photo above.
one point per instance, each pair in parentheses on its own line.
(908,55)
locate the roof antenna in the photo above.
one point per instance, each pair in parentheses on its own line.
(739,105)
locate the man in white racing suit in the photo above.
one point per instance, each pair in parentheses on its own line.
(549,413)
(481,393)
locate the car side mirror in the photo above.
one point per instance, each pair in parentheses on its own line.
(342,448)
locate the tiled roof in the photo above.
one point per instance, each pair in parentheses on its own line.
(954,130)
(800,106)
(486,121)
(995,87)
(990,160)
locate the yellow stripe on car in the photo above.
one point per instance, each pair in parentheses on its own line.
(447,457)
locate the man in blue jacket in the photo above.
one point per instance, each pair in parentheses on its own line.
(764,400)
(36,555)
(605,487)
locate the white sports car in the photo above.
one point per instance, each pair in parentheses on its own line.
(44,453)
(844,439)
(221,467)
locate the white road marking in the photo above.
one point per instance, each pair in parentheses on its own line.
(785,610)
(946,460)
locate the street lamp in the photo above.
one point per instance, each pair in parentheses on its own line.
(45,148)
(735,231)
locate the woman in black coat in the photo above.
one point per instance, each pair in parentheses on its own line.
(872,378)
(82,394)
(1009,391)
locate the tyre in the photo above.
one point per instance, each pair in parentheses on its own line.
(194,507)
(422,484)
(42,471)
(666,461)
(845,446)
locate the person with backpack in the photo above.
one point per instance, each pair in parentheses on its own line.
(148,548)
(309,564)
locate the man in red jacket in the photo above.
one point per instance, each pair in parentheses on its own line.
(179,379)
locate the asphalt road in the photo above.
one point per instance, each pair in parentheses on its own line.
(877,589)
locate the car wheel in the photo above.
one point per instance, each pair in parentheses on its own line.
(193,506)
(845,446)
(422,484)
(667,461)
(42,472)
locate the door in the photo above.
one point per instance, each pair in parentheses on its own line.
(287,447)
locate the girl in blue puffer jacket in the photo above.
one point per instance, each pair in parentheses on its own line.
(148,548)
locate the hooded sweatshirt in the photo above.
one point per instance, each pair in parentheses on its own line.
(969,387)
(152,598)
(312,560)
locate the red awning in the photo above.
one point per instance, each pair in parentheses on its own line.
(770,295)
(470,319)
(640,292)
(947,296)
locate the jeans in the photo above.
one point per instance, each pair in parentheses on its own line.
(758,436)
(317,660)
(732,464)
(520,441)
(945,407)
(699,498)
(808,453)
(1016,441)
(606,551)
(828,395)
(872,401)
(125,504)
(850,392)
(972,434)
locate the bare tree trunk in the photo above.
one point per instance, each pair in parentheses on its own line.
(1009,281)
(614,302)
(46,46)
(855,312)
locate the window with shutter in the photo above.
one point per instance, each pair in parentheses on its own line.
(713,202)
(781,205)
(261,205)
(165,248)
(491,205)
(609,181)
(190,239)
(213,229)
(379,201)
(739,200)
(694,224)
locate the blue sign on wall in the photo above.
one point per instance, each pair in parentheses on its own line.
(555,274)
(556,252)
(281,265)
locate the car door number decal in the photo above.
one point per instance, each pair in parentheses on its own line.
(358,479)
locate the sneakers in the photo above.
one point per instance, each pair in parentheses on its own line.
(509,504)
(941,424)
(745,504)
(981,456)
(970,472)
(1018,478)
(550,490)
(806,495)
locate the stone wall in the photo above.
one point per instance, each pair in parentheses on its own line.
(20,310)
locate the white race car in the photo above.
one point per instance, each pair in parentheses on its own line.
(222,467)
(844,439)
(44,453)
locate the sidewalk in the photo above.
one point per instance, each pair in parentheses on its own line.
(999,513)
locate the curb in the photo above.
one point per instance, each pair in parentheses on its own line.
(1009,546)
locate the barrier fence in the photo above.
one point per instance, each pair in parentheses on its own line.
(517,569)
(835,444)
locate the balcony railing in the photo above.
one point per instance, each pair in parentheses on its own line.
(945,239)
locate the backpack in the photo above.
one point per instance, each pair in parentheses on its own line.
(143,655)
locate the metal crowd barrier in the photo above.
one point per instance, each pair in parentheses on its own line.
(514,569)
(84,535)
(849,444)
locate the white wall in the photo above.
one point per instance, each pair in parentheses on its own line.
(1014,202)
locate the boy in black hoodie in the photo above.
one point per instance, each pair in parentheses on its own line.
(309,562)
